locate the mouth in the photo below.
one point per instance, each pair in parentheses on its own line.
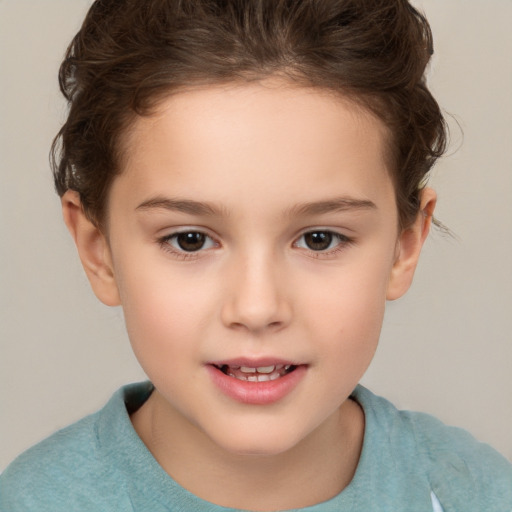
(256,382)
(256,374)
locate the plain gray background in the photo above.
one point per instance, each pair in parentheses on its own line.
(445,348)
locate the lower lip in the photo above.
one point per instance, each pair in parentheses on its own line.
(257,393)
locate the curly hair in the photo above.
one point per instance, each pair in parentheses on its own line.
(129,55)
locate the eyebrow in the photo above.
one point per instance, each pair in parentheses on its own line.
(338,204)
(180,205)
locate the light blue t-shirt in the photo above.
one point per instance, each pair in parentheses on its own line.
(409,462)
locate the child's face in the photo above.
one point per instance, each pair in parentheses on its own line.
(255,226)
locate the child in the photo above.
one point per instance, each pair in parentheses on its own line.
(247,179)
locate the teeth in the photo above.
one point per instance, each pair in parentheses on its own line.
(256,374)
(256,377)
(246,369)
(266,369)
(260,369)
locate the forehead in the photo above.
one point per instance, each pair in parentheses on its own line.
(230,141)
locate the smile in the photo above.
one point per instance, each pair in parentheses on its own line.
(257,374)
(260,382)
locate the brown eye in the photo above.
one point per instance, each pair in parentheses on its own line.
(318,240)
(187,243)
(190,241)
(322,241)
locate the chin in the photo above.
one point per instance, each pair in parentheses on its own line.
(258,444)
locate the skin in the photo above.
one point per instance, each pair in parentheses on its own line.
(269,160)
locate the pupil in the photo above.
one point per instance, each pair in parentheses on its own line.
(191,241)
(318,240)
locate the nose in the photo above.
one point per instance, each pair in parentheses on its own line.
(256,297)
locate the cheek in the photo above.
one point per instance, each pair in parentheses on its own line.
(353,293)
(163,311)
(348,314)
(352,325)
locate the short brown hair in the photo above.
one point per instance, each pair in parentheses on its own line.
(129,54)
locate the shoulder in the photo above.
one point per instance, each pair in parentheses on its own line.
(58,473)
(71,469)
(461,471)
(44,470)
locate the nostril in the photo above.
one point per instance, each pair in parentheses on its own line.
(253,327)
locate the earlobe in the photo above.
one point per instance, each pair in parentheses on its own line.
(93,249)
(409,247)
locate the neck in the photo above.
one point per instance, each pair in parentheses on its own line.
(315,470)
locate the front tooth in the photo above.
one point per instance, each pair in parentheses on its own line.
(252,378)
(266,369)
(246,369)
(263,378)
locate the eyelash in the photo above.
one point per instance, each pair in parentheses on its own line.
(165,244)
(342,242)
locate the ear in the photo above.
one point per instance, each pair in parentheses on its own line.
(93,249)
(409,247)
